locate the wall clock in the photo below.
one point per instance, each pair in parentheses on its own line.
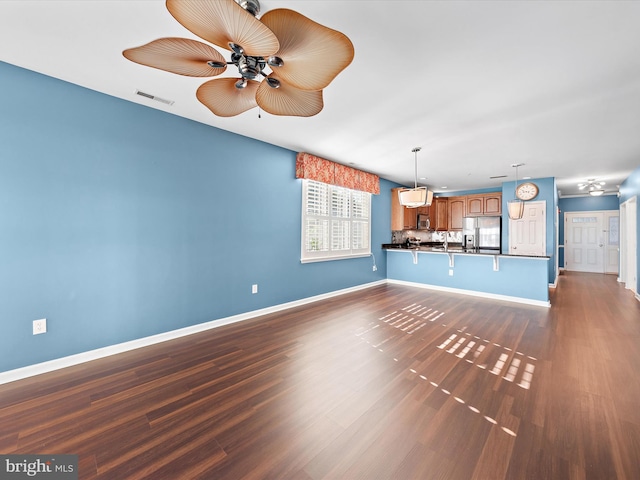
(527,191)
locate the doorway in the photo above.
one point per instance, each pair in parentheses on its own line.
(527,236)
(592,241)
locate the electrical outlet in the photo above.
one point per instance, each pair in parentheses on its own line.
(451,272)
(40,326)
(375,268)
(254,288)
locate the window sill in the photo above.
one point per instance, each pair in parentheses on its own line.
(337,257)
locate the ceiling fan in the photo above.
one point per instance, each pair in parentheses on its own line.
(295,56)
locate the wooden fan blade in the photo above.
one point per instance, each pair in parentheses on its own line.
(289,100)
(222,22)
(225,100)
(178,55)
(313,54)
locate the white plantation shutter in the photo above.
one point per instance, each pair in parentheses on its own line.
(335,222)
(317,199)
(360,231)
(340,235)
(340,202)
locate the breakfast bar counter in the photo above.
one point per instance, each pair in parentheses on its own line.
(485,273)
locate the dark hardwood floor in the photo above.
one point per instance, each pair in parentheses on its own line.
(389,383)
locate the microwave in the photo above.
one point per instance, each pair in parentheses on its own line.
(424,222)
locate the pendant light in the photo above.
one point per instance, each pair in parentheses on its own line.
(515,207)
(416,196)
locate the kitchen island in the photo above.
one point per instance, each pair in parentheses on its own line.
(488,274)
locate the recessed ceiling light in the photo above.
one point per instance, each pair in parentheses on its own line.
(444,187)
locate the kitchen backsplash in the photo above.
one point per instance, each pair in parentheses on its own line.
(400,236)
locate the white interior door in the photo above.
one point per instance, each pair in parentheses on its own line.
(527,236)
(584,242)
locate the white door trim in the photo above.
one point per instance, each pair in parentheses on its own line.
(629,244)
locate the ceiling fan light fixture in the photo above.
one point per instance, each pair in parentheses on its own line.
(214,64)
(251,6)
(594,187)
(274,61)
(250,67)
(306,55)
(273,82)
(235,48)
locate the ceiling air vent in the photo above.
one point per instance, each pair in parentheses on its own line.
(497,176)
(153,97)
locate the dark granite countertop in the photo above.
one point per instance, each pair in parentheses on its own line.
(434,247)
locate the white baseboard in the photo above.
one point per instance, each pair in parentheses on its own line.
(58,363)
(493,296)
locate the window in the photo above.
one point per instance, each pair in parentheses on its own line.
(614,231)
(335,222)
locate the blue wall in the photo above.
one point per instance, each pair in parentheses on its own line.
(118,221)
(523,278)
(582,204)
(628,189)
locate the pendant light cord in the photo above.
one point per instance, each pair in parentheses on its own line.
(416,150)
(515,187)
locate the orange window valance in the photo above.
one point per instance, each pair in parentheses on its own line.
(315,168)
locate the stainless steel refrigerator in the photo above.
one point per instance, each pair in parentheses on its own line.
(482,233)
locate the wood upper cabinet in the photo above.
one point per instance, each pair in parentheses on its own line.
(493,204)
(410,218)
(475,205)
(456,212)
(483,204)
(438,214)
(402,218)
(397,211)
(445,213)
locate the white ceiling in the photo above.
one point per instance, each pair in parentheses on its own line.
(479,85)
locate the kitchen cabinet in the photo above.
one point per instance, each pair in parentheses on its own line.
(483,204)
(397,211)
(410,218)
(493,204)
(438,214)
(445,213)
(475,205)
(402,218)
(455,213)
